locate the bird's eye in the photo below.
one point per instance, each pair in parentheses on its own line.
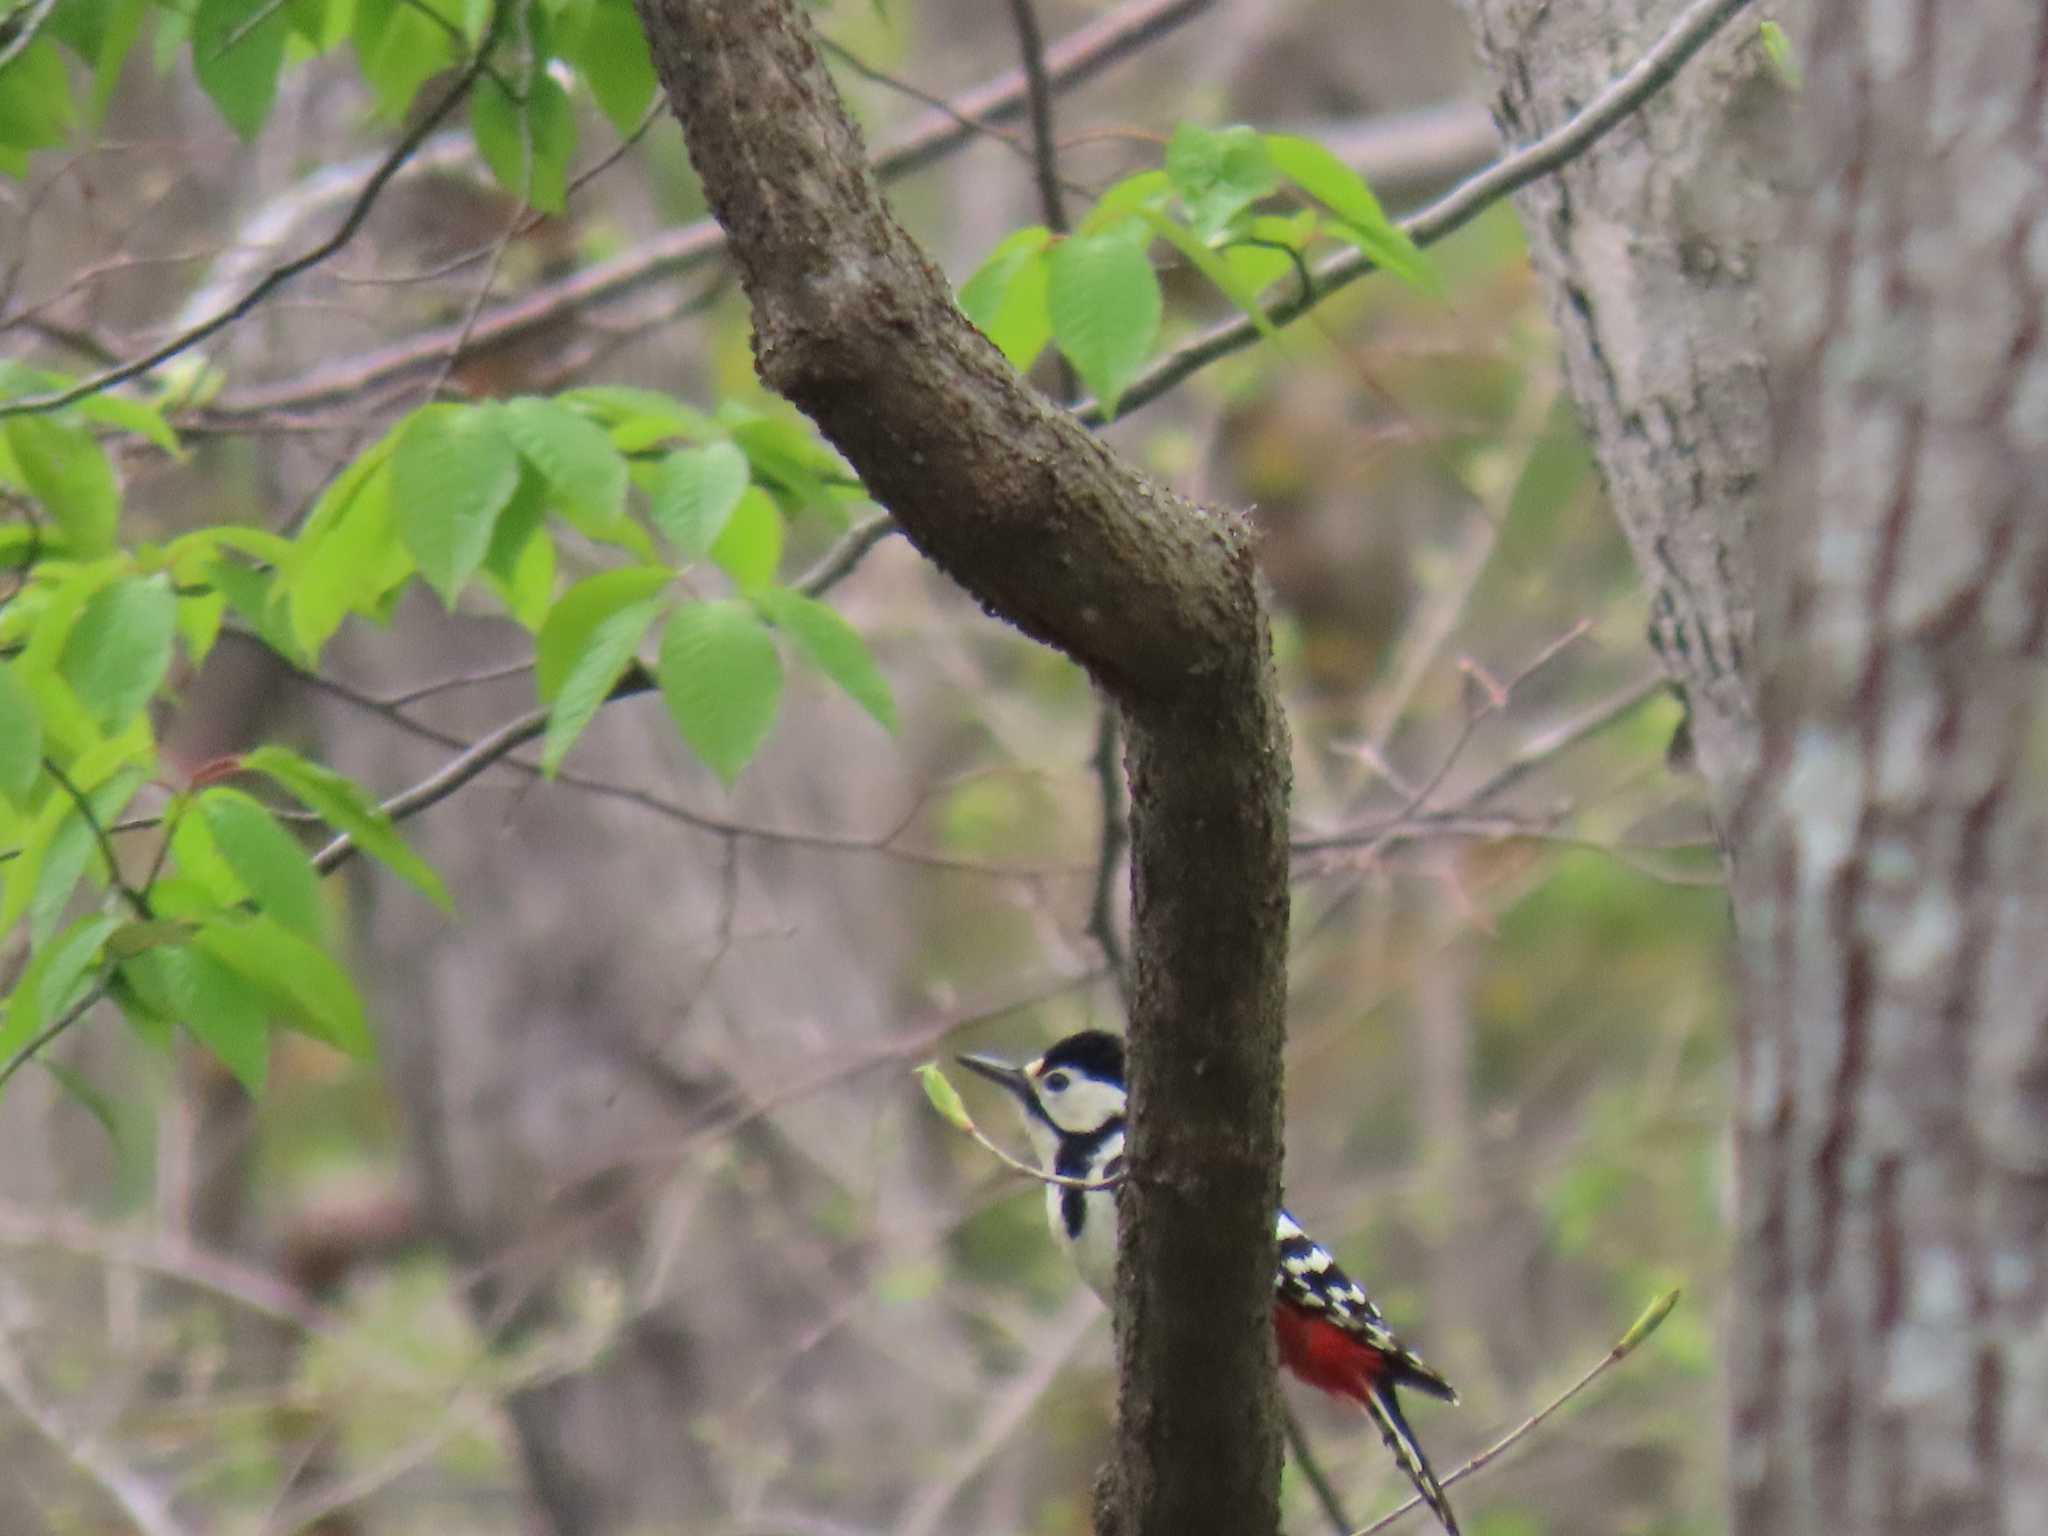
(1056,1082)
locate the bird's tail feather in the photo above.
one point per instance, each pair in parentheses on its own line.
(1385,1410)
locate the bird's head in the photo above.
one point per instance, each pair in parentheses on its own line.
(1076,1089)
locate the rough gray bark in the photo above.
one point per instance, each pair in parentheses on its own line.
(1892,1370)
(1158,600)
(1861,654)
(1651,246)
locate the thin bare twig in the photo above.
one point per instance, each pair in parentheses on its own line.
(285,271)
(138,903)
(1074,59)
(1113,837)
(1318,1480)
(147,1506)
(1641,1329)
(53,1030)
(21,27)
(1052,199)
(1692,30)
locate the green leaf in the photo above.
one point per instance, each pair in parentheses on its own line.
(1105,304)
(833,646)
(612,57)
(266,859)
(722,680)
(400,47)
(575,457)
(527,145)
(576,615)
(750,548)
(222,1010)
(35,96)
(1218,173)
(74,848)
(237,51)
(298,979)
(694,492)
(66,470)
(1361,220)
(120,651)
(944,1096)
(640,418)
(350,563)
(528,589)
(592,675)
(1212,266)
(345,807)
(452,473)
(21,737)
(1006,297)
(53,980)
(199,620)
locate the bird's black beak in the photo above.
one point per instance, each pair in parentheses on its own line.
(999,1071)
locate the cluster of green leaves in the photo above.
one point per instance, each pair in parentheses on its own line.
(519,111)
(1094,293)
(226,932)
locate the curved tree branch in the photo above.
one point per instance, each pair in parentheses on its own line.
(1157,599)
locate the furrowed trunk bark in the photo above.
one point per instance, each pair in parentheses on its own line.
(1157,599)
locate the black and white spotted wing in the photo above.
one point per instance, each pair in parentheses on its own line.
(1311,1280)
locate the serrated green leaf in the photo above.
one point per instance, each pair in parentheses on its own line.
(400,47)
(1218,173)
(347,809)
(1006,297)
(613,60)
(577,612)
(945,1098)
(1360,219)
(749,550)
(575,457)
(266,859)
(120,651)
(722,680)
(1146,189)
(592,675)
(221,1009)
(53,980)
(638,419)
(74,848)
(833,646)
(452,473)
(693,494)
(199,620)
(65,469)
(1105,304)
(352,563)
(1212,266)
(298,979)
(528,590)
(237,51)
(528,145)
(35,98)
(200,862)
(21,736)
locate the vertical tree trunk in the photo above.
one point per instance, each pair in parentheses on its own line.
(1890,1370)
(1861,657)
(1651,245)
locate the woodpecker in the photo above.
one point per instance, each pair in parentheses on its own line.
(1330,1334)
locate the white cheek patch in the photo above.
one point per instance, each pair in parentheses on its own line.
(1086,1105)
